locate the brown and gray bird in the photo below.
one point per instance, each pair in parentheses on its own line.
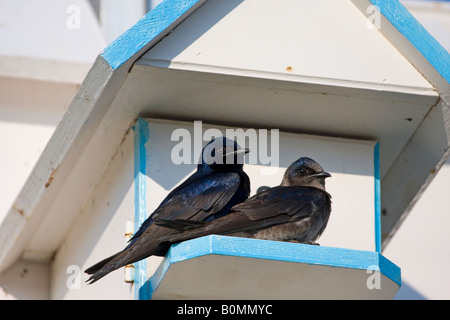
(297,211)
(218,184)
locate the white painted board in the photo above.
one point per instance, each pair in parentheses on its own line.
(317,40)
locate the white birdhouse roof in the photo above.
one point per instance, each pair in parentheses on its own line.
(251,269)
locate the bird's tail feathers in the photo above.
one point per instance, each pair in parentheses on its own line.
(102,272)
(96,267)
(102,268)
(123,258)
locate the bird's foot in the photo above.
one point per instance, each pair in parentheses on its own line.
(305,242)
(312,243)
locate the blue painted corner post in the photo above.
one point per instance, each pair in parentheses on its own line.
(376,160)
(141,136)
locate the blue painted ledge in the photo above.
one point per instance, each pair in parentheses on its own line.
(272,250)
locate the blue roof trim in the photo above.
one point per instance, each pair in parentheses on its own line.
(273,250)
(151,28)
(428,46)
(167,15)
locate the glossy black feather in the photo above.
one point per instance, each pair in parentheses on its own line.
(180,224)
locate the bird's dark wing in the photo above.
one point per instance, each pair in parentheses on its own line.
(271,207)
(180,224)
(297,202)
(209,195)
(198,199)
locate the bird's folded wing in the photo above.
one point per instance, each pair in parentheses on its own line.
(206,197)
(296,202)
(271,207)
(180,224)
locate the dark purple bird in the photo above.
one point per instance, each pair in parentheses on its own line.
(297,211)
(218,184)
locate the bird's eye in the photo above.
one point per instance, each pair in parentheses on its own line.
(301,171)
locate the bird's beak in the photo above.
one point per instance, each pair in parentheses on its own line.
(237,152)
(321,175)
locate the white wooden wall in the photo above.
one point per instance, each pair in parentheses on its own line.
(99,231)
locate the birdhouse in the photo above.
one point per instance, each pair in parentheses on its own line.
(359,86)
